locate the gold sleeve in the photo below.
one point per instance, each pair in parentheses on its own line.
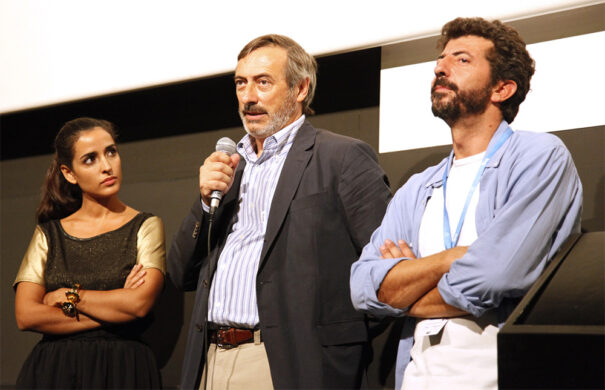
(34,262)
(151,249)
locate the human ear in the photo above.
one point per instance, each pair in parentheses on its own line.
(303,90)
(503,90)
(68,174)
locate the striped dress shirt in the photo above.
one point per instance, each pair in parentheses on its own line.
(232,298)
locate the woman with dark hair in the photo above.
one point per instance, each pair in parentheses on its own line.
(91,273)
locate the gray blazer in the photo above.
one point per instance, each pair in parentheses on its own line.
(330,197)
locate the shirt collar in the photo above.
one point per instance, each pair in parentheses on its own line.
(273,145)
(436,179)
(495,160)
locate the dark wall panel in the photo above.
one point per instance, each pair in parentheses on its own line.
(345,82)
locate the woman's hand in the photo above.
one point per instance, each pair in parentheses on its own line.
(136,277)
(55,298)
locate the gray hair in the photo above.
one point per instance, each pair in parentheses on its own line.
(301,65)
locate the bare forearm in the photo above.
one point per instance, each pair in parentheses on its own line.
(109,306)
(411,279)
(33,314)
(408,281)
(119,305)
(49,319)
(432,305)
(124,304)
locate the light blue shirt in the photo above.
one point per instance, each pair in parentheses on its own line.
(232,298)
(530,201)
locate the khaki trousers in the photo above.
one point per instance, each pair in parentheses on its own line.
(244,367)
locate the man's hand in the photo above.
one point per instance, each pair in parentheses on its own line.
(216,174)
(391,251)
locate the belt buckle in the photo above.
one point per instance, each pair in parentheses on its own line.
(221,336)
(225,346)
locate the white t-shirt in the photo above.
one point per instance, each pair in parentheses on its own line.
(457,353)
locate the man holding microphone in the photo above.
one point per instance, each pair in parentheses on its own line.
(299,204)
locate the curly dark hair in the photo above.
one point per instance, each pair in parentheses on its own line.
(509,59)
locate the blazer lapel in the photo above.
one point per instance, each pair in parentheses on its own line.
(298,157)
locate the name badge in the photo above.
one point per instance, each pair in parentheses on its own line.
(431,327)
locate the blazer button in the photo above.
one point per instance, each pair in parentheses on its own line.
(205,283)
(199,327)
(196,230)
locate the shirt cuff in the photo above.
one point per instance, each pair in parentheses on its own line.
(455,298)
(366,299)
(204,207)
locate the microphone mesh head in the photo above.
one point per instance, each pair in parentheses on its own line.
(226,145)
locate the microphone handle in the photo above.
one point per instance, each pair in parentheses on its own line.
(227,146)
(215,198)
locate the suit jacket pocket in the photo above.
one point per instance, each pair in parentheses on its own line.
(310,201)
(348,332)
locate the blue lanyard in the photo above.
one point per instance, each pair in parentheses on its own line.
(448,240)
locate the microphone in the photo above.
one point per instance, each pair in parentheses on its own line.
(225,145)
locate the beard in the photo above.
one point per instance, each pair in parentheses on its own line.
(465,102)
(277,120)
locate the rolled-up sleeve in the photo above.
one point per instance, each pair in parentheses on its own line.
(370,270)
(536,206)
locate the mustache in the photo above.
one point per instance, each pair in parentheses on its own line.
(253,108)
(441,82)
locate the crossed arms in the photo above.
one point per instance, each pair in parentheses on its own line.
(530,206)
(413,283)
(37,310)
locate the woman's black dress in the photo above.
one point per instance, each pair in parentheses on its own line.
(112,357)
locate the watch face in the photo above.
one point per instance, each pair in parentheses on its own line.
(69,309)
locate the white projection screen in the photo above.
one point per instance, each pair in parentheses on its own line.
(64,50)
(565,94)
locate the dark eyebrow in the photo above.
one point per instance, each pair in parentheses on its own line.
(262,76)
(256,76)
(456,53)
(459,52)
(87,155)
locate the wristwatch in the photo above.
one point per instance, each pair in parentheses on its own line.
(73,297)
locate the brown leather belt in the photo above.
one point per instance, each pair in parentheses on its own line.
(227,337)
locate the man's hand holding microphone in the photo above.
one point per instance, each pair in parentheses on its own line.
(217,173)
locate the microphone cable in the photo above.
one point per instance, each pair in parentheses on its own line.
(206,344)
